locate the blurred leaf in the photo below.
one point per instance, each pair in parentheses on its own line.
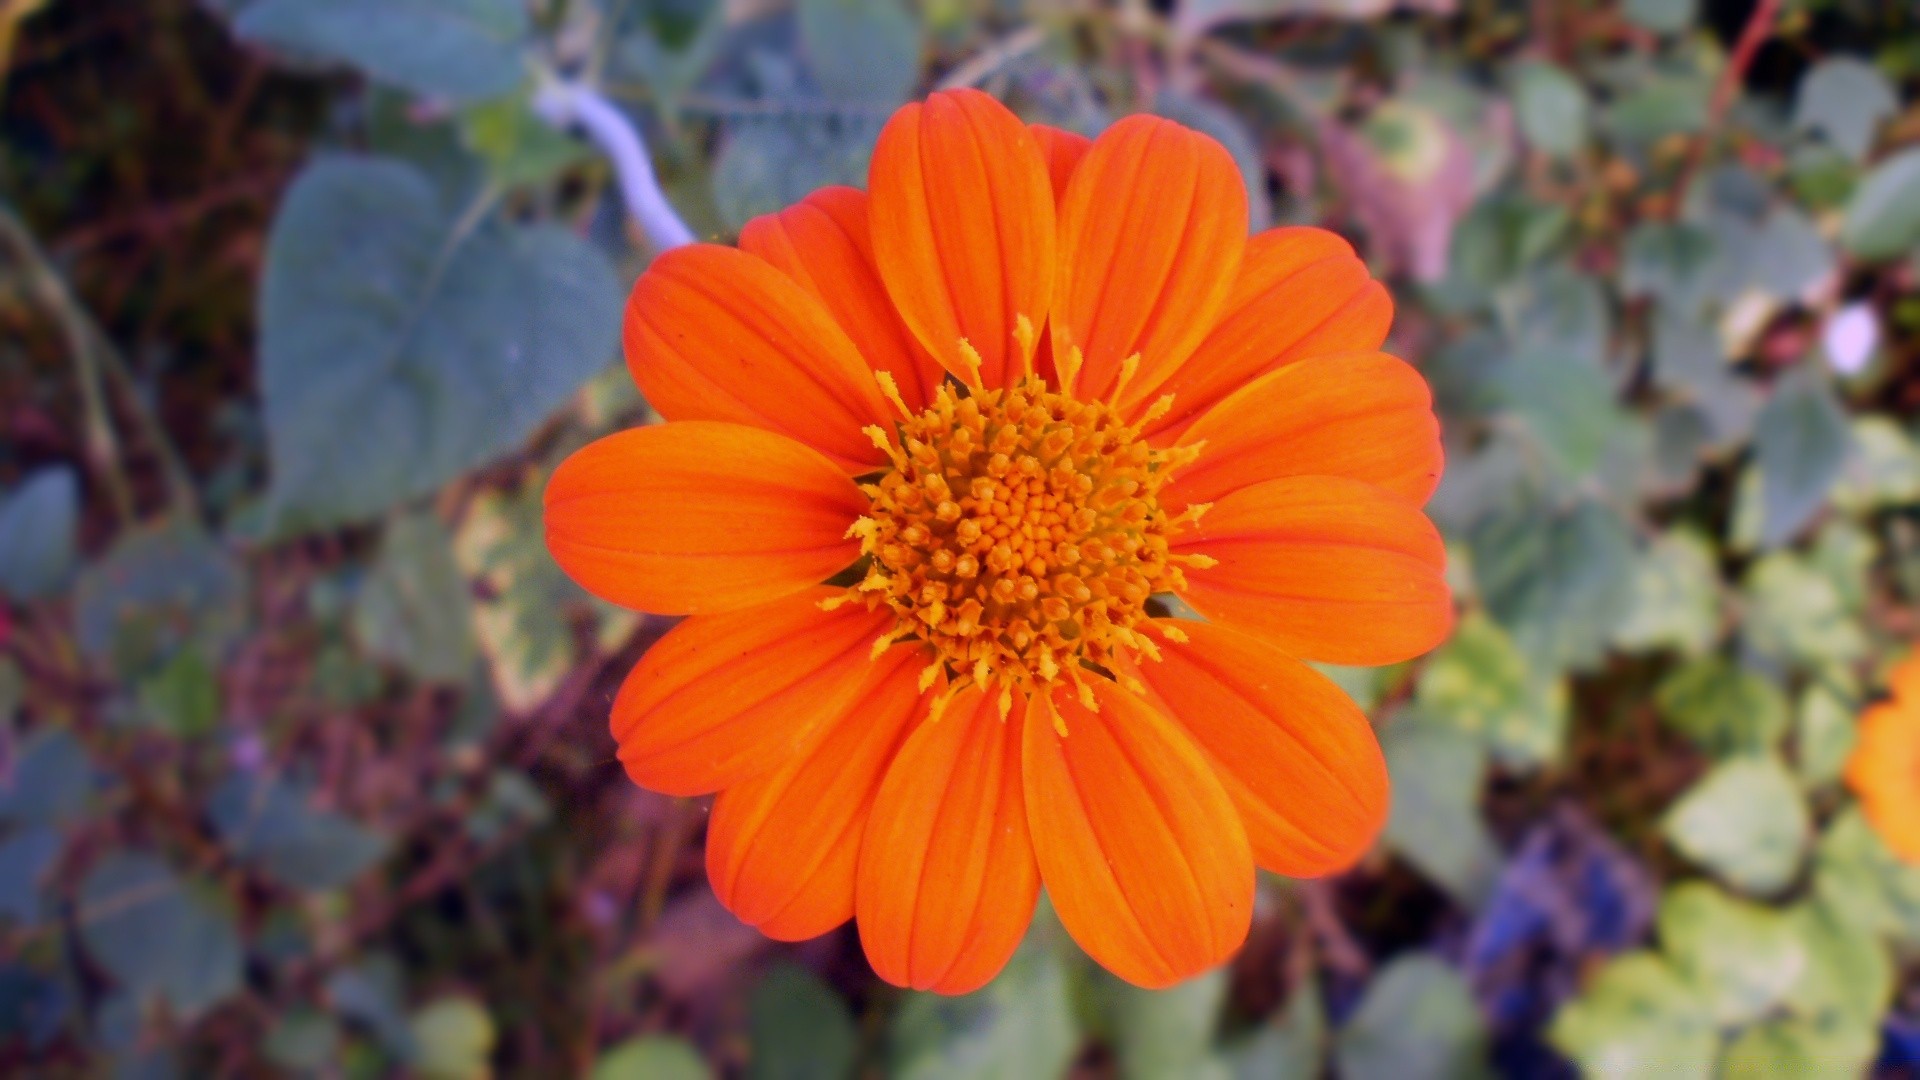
(518,147)
(1845,99)
(1434,822)
(1661,16)
(184,696)
(158,588)
(455,1036)
(1567,404)
(1020,1024)
(799,1028)
(387,329)
(1746,821)
(1418,1020)
(459,49)
(861,50)
(1865,882)
(1800,1048)
(1479,682)
(1167,1033)
(1744,958)
(269,823)
(49,783)
(1557,316)
(1291,1049)
(652,1057)
(1558,582)
(1658,106)
(1825,733)
(415,609)
(1797,613)
(1883,217)
(304,1040)
(1552,107)
(1883,468)
(1637,1018)
(510,800)
(1671,261)
(38,523)
(1801,441)
(769,163)
(1722,707)
(158,935)
(25,858)
(1676,602)
(1850,974)
(371,993)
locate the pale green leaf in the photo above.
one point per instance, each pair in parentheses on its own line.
(1637,1018)
(1418,1021)
(415,609)
(1883,217)
(1742,957)
(1844,98)
(458,49)
(1746,821)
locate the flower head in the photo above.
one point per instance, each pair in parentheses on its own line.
(938,458)
(1884,770)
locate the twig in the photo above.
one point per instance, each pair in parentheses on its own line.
(1752,36)
(995,57)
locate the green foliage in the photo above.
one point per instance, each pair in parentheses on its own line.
(159,935)
(37,524)
(1883,217)
(1435,821)
(269,823)
(1637,1017)
(1746,821)
(799,1028)
(455,1036)
(1417,1022)
(459,49)
(415,608)
(1480,683)
(651,1057)
(1019,1022)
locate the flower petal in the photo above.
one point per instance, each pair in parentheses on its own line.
(822,243)
(1152,228)
(1295,754)
(1300,292)
(723,698)
(963,228)
(947,882)
(782,847)
(695,516)
(1368,416)
(716,334)
(1142,852)
(1063,151)
(1324,567)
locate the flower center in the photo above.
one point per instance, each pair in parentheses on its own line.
(1019,534)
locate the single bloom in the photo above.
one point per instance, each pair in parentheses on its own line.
(939,457)
(1884,770)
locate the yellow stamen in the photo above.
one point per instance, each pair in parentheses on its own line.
(892,391)
(970,356)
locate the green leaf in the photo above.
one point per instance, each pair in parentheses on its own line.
(49,782)
(1746,821)
(1844,98)
(1860,878)
(799,1028)
(652,1057)
(1850,972)
(1418,1020)
(1294,1048)
(1637,1018)
(38,522)
(1479,682)
(518,147)
(270,824)
(770,163)
(1435,822)
(1676,597)
(159,588)
(1568,406)
(457,49)
(1552,108)
(1743,958)
(1656,107)
(1164,1033)
(303,1040)
(1794,1047)
(455,1036)
(1662,16)
(25,857)
(1020,1024)
(372,993)
(1671,261)
(1723,708)
(415,609)
(183,697)
(1883,217)
(1882,470)
(861,50)
(1557,316)
(1801,441)
(1825,732)
(158,935)
(1796,613)
(400,348)
(1558,582)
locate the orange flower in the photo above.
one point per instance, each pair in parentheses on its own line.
(932,453)
(1884,770)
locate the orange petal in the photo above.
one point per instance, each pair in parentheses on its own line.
(1143,854)
(724,698)
(1063,151)
(695,517)
(1367,416)
(782,847)
(1300,292)
(963,228)
(715,334)
(947,881)
(822,243)
(1327,568)
(1295,754)
(1152,228)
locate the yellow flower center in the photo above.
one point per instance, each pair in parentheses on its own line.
(1019,535)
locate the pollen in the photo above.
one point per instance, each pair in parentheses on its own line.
(1018,533)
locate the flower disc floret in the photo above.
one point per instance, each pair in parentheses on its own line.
(1019,534)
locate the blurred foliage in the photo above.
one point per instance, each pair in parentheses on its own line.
(303,762)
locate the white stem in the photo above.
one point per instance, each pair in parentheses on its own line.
(563,103)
